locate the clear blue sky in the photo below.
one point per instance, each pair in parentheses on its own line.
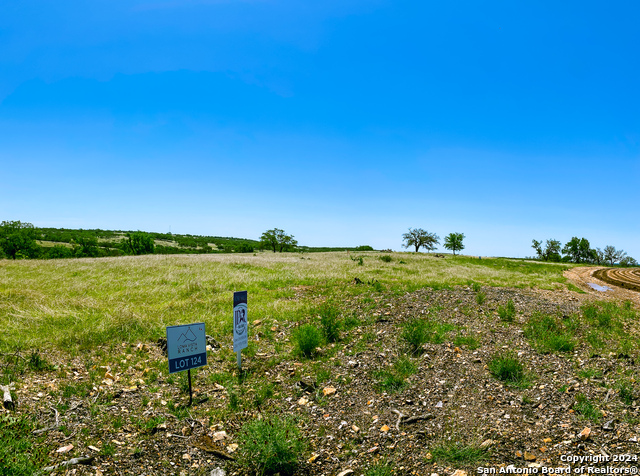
(342,122)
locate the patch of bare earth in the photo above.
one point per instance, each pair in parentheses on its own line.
(348,421)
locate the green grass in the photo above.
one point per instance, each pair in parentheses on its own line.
(20,453)
(307,338)
(468,341)
(507,313)
(506,366)
(457,453)
(551,334)
(271,445)
(84,303)
(417,332)
(393,379)
(586,409)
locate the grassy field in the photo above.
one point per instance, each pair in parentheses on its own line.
(79,303)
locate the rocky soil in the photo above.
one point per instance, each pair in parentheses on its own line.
(126,424)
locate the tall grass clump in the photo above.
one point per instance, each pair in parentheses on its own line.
(307,339)
(507,313)
(457,453)
(417,332)
(269,446)
(586,409)
(551,334)
(329,322)
(481,297)
(507,367)
(393,379)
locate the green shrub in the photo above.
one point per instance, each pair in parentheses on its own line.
(308,338)
(507,313)
(330,324)
(507,367)
(269,446)
(386,258)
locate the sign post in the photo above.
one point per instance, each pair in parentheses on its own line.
(240,324)
(186,349)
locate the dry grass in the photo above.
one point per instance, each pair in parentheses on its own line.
(78,303)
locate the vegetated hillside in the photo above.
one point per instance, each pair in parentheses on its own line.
(110,242)
(373,362)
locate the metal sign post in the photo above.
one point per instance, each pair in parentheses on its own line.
(186,349)
(240,324)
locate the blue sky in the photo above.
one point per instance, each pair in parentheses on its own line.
(342,122)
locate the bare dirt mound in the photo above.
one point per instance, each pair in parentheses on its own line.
(612,278)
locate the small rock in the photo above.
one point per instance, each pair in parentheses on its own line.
(459,472)
(584,434)
(64,449)
(303,401)
(529,456)
(186,456)
(314,457)
(375,449)
(609,426)
(384,428)
(93,448)
(486,443)
(439,404)
(329,391)
(218,472)
(355,428)
(518,454)
(547,440)
(232,447)
(345,472)
(219,435)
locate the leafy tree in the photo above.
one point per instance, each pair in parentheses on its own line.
(628,261)
(138,243)
(453,242)
(612,255)
(245,248)
(550,252)
(59,251)
(86,246)
(277,240)
(420,238)
(578,250)
(18,240)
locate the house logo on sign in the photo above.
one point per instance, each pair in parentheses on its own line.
(240,317)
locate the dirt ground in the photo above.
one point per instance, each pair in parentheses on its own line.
(452,402)
(580,276)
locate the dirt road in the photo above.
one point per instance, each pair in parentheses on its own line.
(612,278)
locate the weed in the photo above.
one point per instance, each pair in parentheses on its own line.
(549,334)
(307,339)
(269,446)
(20,453)
(108,449)
(586,409)
(469,341)
(350,322)
(386,258)
(457,453)
(626,393)
(263,392)
(507,313)
(38,363)
(507,367)
(380,469)
(417,332)
(330,324)
(481,298)
(476,287)
(393,379)
(589,373)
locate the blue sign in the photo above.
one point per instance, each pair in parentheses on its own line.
(186,347)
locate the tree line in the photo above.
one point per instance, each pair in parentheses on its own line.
(578,250)
(21,240)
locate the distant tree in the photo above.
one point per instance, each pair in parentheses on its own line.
(244,248)
(453,242)
(85,246)
(578,250)
(18,240)
(419,238)
(612,255)
(550,252)
(277,240)
(598,256)
(138,243)
(628,261)
(59,251)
